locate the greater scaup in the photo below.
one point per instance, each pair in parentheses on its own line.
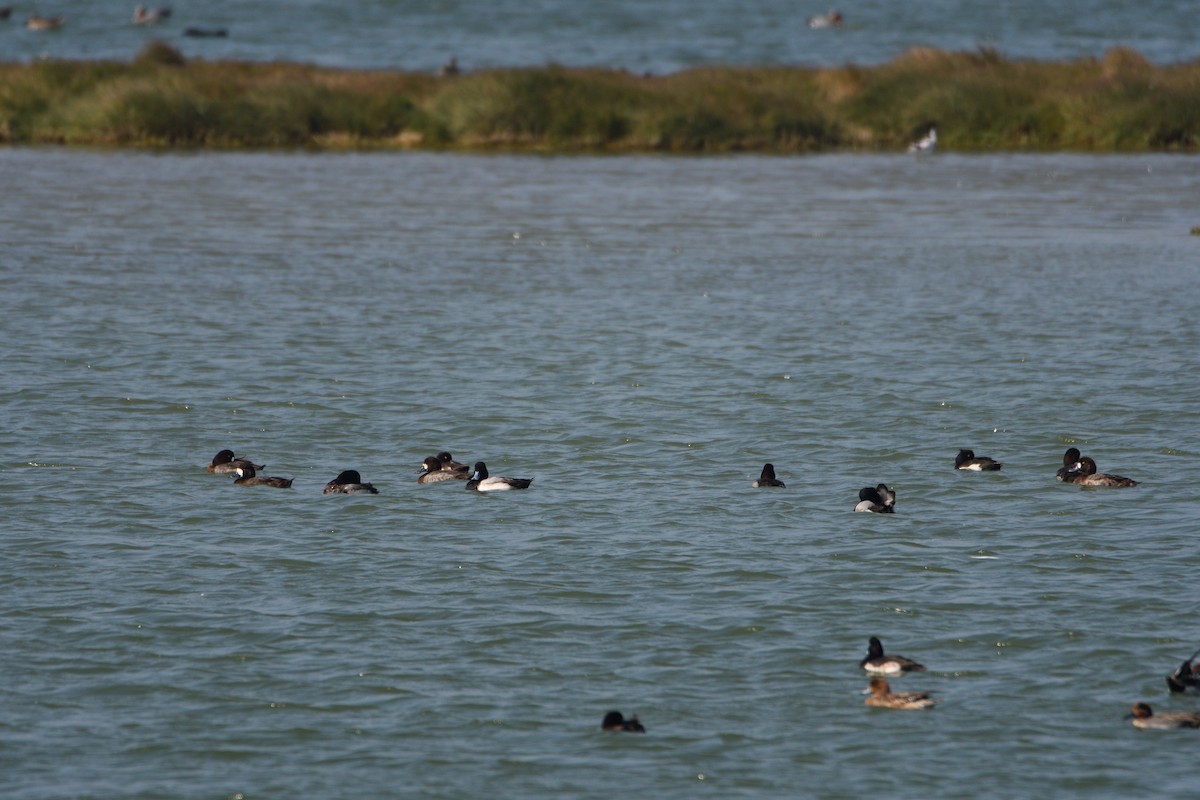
(880,664)
(449,463)
(349,482)
(876,499)
(882,696)
(767,478)
(1070,468)
(1185,679)
(246,477)
(966,459)
(480,482)
(615,721)
(1089,477)
(434,471)
(226,462)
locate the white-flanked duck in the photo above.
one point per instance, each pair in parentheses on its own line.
(615,721)
(926,144)
(877,500)
(1070,469)
(1185,679)
(247,477)
(349,482)
(1089,477)
(1145,718)
(882,696)
(831,19)
(225,462)
(878,663)
(767,479)
(966,459)
(481,482)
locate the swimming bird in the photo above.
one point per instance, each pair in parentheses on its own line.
(349,482)
(1185,679)
(878,500)
(36,23)
(246,477)
(449,463)
(882,696)
(926,144)
(1089,477)
(830,19)
(876,662)
(206,33)
(1070,469)
(450,68)
(226,462)
(966,459)
(767,478)
(5,12)
(480,482)
(615,721)
(433,470)
(1145,718)
(149,16)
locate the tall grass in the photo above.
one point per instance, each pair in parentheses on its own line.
(978,101)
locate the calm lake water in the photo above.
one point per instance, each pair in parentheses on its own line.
(639,335)
(639,35)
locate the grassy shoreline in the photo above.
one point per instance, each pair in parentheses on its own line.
(979,101)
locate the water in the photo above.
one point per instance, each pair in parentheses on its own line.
(639,35)
(638,335)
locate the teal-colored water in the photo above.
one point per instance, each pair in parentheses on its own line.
(638,335)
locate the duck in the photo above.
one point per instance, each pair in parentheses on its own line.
(877,499)
(433,470)
(830,19)
(349,482)
(882,696)
(226,462)
(876,662)
(926,144)
(480,482)
(450,68)
(36,23)
(615,721)
(1145,718)
(247,477)
(149,16)
(449,463)
(5,12)
(767,479)
(1070,468)
(206,33)
(966,459)
(1089,477)
(1185,679)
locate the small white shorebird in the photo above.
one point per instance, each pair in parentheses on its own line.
(926,144)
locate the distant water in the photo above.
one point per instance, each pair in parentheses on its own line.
(639,35)
(638,335)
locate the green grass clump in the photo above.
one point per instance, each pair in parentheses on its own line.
(978,101)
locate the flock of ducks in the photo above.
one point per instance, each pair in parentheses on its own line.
(877,664)
(434,469)
(881,499)
(141,16)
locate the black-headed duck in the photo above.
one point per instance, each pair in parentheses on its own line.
(225,462)
(1070,468)
(349,482)
(877,500)
(880,664)
(966,459)
(246,477)
(433,470)
(1089,477)
(615,721)
(1185,679)
(767,479)
(481,482)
